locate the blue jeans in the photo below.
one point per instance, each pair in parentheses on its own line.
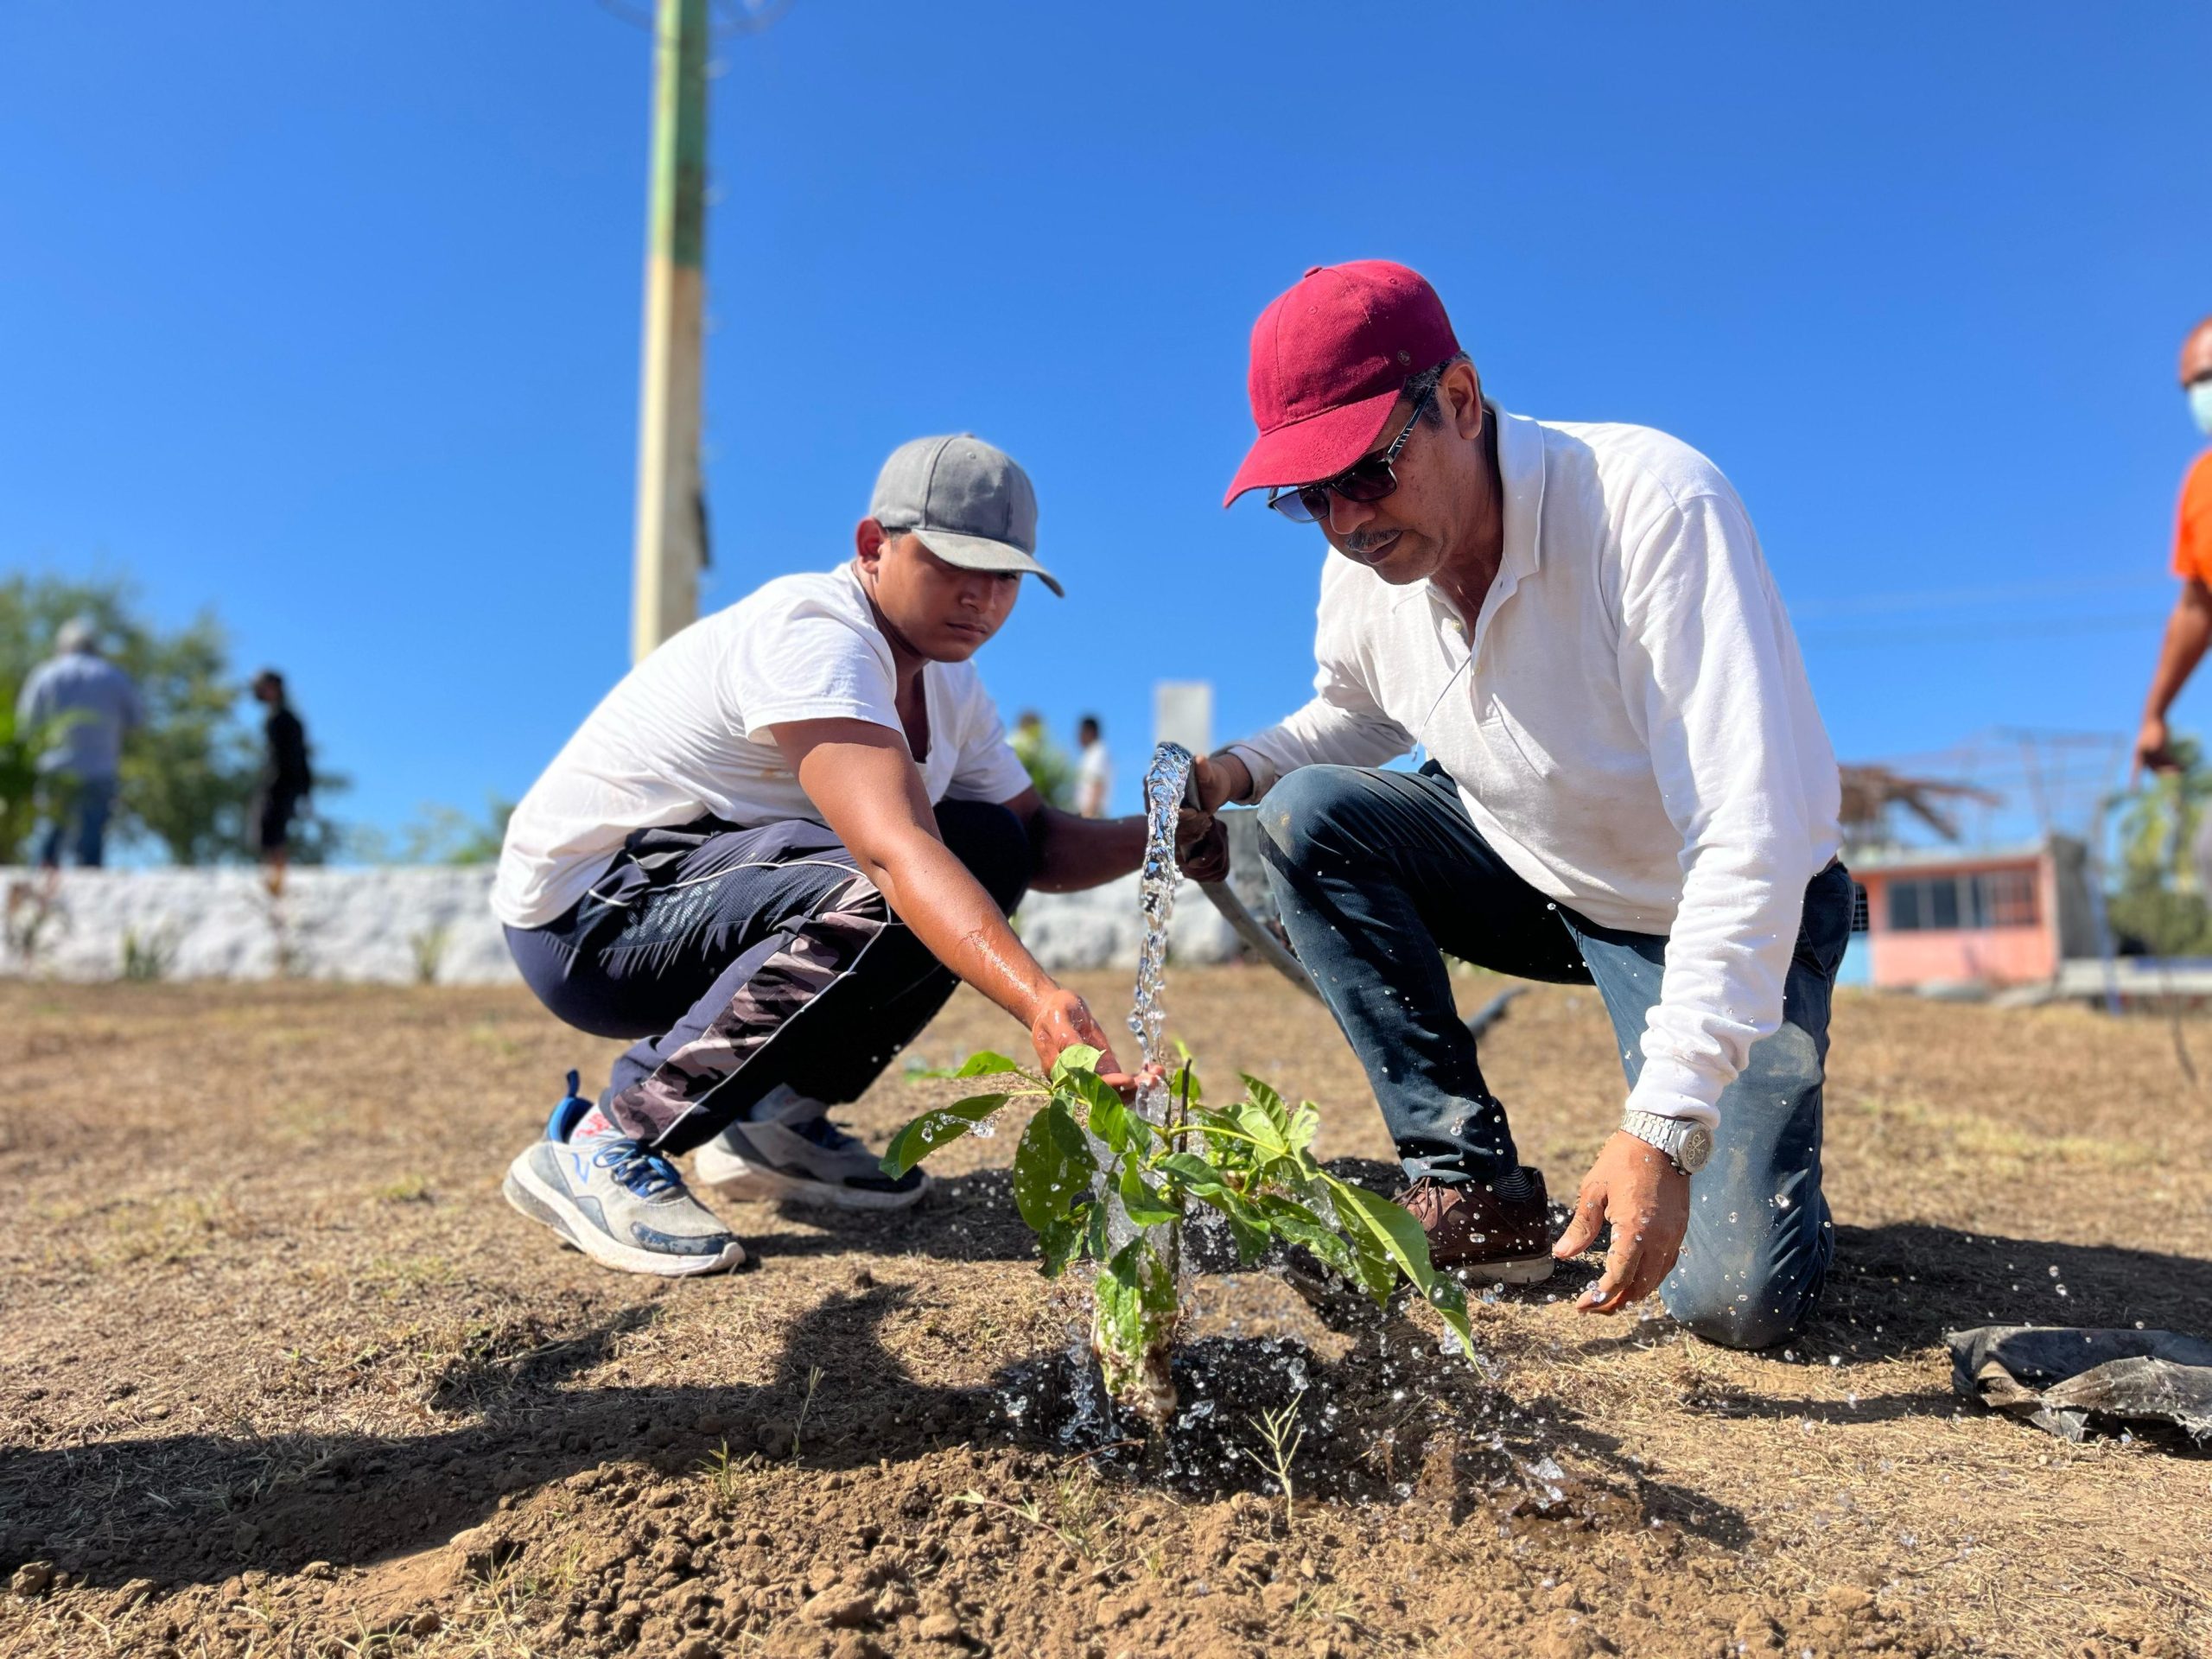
(1377,872)
(84,806)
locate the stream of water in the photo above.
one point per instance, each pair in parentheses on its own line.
(1164,781)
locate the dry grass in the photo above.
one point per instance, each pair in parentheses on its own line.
(265,1309)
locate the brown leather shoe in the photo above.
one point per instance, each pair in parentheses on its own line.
(1505,1241)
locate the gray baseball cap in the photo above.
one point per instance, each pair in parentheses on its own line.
(968,501)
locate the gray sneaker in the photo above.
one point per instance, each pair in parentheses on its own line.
(620,1204)
(810,1160)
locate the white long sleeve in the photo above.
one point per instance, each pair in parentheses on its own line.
(1707,658)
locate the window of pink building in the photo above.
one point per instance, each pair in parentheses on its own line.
(1945,903)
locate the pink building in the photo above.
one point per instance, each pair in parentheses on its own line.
(1983,916)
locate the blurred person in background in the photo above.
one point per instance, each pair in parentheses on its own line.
(2190,628)
(1094,768)
(285,782)
(772,853)
(88,704)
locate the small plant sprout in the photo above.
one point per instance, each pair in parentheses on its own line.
(1097,1181)
(1281,1429)
(813,1382)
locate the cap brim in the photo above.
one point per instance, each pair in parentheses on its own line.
(1308,451)
(977,553)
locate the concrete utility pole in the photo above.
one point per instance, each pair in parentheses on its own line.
(672,541)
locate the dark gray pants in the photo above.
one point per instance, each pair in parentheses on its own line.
(746,958)
(1375,873)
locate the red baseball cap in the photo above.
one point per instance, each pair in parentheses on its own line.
(1329,359)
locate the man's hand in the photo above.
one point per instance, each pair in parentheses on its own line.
(1220,778)
(1635,1187)
(1201,846)
(2153,751)
(1063,1020)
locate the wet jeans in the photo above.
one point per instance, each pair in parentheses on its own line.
(746,959)
(1378,873)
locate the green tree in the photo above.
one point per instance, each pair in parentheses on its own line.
(446,834)
(1044,760)
(188,773)
(2159,906)
(21,786)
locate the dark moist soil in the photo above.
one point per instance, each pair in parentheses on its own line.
(283,1375)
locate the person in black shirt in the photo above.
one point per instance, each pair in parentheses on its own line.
(286,778)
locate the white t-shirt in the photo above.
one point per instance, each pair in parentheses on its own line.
(1094,777)
(684,735)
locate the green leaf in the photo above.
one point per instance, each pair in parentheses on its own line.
(1196,1174)
(1111,1119)
(1142,1204)
(933,1129)
(1097,1243)
(1061,1241)
(1052,1169)
(983,1062)
(1264,1117)
(1371,1265)
(1294,1222)
(1245,1224)
(1403,1242)
(1075,1057)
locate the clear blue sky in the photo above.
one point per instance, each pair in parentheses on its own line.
(327,316)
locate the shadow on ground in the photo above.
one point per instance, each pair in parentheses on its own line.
(1896,1290)
(198,1508)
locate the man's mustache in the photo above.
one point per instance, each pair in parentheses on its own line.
(1367,541)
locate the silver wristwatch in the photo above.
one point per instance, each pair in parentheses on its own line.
(1684,1141)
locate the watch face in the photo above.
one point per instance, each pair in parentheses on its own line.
(1696,1147)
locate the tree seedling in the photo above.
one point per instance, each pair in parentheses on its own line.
(1098,1181)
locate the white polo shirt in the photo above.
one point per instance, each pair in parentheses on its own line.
(1628,722)
(684,735)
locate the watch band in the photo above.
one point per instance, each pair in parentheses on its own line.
(1687,1142)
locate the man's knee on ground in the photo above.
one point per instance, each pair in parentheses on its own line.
(993,843)
(1736,1308)
(1762,1322)
(1299,815)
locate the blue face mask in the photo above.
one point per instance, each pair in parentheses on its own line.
(2200,404)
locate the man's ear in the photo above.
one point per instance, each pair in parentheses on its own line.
(868,542)
(1461,393)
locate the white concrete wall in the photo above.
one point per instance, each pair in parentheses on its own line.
(367,923)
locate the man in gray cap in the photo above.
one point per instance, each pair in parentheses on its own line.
(89,704)
(771,853)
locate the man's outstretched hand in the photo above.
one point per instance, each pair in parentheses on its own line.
(1635,1187)
(1201,846)
(1063,1020)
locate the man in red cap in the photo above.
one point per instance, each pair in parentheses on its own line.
(1626,785)
(2189,629)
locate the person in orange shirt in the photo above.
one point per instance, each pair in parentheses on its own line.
(2189,629)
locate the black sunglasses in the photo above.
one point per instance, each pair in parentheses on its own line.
(1368,479)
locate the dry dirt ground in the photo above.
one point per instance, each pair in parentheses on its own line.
(281,1374)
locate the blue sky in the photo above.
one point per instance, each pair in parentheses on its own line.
(327,317)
